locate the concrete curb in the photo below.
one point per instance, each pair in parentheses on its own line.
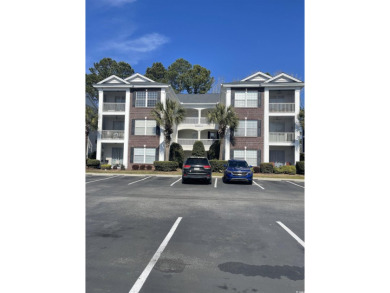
(176,176)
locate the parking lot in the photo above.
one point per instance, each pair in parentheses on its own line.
(155,234)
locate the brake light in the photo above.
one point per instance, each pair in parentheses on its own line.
(207,167)
(187,166)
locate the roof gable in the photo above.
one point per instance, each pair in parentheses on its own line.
(258,76)
(113,79)
(136,77)
(282,78)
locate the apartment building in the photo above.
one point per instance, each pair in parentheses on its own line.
(267,107)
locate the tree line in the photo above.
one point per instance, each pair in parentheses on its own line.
(181,75)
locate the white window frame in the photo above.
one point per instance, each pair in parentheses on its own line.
(246,99)
(146,99)
(246,128)
(245,156)
(145,127)
(144,158)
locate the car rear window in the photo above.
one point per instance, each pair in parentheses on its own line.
(197,161)
(238,164)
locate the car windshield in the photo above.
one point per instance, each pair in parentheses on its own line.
(238,164)
(197,161)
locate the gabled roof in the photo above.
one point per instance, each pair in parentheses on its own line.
(258,76)
(282,78)
(198,98)
(113,79)
(136,77)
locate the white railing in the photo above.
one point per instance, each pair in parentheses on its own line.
(282,107)
(189,141)
(114,107)
(281,136)
(195,120)
(112,134)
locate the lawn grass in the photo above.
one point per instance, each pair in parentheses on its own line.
(178,173)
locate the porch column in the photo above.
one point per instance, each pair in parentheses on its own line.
(162,146)
(297,125)
(199,115)
(266,126)
(127,129)
(198,134)
(100,127)
(227,135)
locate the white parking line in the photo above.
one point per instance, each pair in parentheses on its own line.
(258,184)
(215,185)
(138,180)
(291,233)
(176,181)
(102,179)
(295,184)
(142,278)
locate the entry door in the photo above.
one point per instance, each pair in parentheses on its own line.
(117,156)
(278,157)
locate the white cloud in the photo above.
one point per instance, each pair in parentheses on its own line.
(144,44)
(118,2)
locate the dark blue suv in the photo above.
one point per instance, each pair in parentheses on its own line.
(237,170)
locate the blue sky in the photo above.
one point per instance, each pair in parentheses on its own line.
(232,38)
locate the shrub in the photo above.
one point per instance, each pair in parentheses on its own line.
(266,168)
(198,149)
(256,169)
(123,167)
(213,153)
(115,167)
(300,166)
(302,157)
(142,167)
(106,167)
(91,163)
(135,167)
(176,154)
(291,170)
(149,167)
(217,165)
(165,165)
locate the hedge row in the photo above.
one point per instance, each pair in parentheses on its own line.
(285,170)
(91,163)
(266,168)
(217,165)
(105,167)
(165,165)
(300,166)
(142,167)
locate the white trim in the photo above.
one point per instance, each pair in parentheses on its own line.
(139,180)
(282,75)
(257,73)
(266,126)
(111,77)
(138,75)
(127,120)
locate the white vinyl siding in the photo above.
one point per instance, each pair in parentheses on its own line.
(144,155)
(246,99)
(249,156)
(145,127)
(146,98)
(246,128)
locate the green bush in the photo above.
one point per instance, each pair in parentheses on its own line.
(91,163)
(135,167)
(266,168)
(198,149)
(213,153)
(165,165)
(176,154)
(105,167)
(300,166)
(301,156)
(291,170)
(217,165)
(256,169)
(123,167)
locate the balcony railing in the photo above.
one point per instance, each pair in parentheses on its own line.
(189,141)
(114,107)
(281,136)
(113,134)
(195,120)
(281,107)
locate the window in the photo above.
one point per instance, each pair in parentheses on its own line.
(250,156)
(144,155)
(246,99)
(145,127)
(146,98)
(246,128)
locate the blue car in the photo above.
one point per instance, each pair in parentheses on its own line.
(237,170)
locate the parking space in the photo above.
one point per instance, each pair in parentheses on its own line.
(227,241)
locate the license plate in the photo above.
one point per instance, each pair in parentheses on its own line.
(196,169)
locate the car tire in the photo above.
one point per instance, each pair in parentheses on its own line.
(250,182)
(183,181)
(209,181)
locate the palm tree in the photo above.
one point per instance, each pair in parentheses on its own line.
(172,114)
(224,118)
(91,123)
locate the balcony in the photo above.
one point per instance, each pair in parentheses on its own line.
(282,107)
(281,136)
(195,120)
(190,141)
(114,107)
(112,134)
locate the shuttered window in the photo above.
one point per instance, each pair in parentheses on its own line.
(250,156)
(145,127)
(144,155)
(146,98)
(247,128)
(246,99)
